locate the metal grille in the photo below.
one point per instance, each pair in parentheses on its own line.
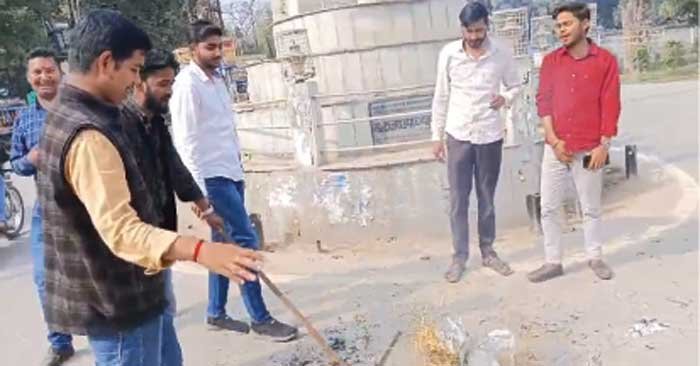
(512,26)
(593,31)
(543,37)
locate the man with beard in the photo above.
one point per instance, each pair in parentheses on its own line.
(468,129)
(44,76)
(204,133)
(160,164)
(579,103)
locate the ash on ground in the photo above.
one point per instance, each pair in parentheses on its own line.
(352,340)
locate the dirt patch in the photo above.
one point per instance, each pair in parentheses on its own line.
(352,340)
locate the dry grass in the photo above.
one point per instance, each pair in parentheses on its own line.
(434,351)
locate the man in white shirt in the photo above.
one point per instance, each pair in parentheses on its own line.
(204,134)
(468,129)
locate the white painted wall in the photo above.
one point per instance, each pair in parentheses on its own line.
(373,47)
(378,25)
(268,141)
(266,82)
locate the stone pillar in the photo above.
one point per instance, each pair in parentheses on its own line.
(304,115)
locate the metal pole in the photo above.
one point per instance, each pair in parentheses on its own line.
(315,120)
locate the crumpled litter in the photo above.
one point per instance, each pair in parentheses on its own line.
(485,353)
(497,343)
(454,335)
(646,327)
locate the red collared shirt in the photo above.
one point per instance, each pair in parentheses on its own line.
(582,96)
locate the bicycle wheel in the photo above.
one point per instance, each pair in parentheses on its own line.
(14,211)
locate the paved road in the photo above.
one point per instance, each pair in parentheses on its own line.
(662,119)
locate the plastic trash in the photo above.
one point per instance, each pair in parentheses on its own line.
(498,345)
(500,340)
(454,335)
(646,327)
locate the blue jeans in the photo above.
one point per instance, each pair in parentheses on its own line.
(170,342)
(59,341)
(136,347)
(228,199)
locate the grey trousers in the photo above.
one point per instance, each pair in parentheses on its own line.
(481,164)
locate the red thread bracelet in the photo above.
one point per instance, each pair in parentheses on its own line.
(197,248)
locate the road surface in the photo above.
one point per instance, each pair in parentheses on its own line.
(652,230)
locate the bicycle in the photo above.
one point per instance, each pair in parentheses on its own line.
(14,206)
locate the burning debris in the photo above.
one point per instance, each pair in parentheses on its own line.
(351,340)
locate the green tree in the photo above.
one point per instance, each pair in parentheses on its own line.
(21,29)
(685,11)
(165,21)
(251,22)
(674,55)
(642,59)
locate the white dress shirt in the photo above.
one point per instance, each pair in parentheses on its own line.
(464,89)
(204,126)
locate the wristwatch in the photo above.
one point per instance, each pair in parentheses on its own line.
(606,142)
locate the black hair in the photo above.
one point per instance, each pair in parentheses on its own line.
(104,30)
(43,53)
(157,59)
(579,10)
(473,12)
(202,29)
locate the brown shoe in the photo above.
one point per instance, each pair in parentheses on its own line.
(602,270)
(546,272)
(455,272)
(499,266)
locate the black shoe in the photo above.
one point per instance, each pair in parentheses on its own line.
(226,323)
(279,332)
(57,358)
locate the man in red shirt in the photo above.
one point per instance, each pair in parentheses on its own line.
(579,104)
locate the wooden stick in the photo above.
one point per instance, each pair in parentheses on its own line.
(385,356)
(330,353)
(336,360)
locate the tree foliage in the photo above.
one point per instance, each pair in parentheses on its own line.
(642,59)
(673,55)
(251,21)
(684,11)
(23,26)
(165,21)
(21,29)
